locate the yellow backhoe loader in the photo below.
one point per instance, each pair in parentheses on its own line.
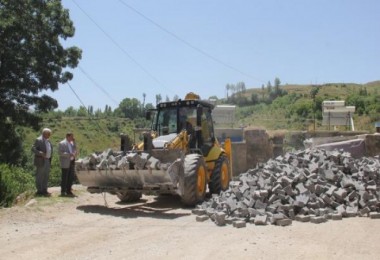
(179,155)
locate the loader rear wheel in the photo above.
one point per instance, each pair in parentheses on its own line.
(129,196)
(194,182)
(220,177)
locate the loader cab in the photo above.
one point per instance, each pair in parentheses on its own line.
(174,119)
(191,115)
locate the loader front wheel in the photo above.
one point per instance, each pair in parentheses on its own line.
(194,182)
(129,196)
(221,175)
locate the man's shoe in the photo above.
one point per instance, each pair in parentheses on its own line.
(70,194)
(46,194)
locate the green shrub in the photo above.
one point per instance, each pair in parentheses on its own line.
(55,172)
(13,182)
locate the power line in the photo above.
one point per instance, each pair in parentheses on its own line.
(80,100)
(97,85)
(188,43)
(118,45)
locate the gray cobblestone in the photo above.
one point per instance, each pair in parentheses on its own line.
(202,218)
(310,185)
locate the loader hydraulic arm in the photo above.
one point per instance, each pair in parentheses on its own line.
(181,141)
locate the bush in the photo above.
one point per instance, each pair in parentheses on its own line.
(55,172)
(302,108)
(11,150)
(13,182)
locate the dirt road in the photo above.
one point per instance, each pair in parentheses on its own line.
(160,228)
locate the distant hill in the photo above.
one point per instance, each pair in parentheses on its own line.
(340,90)
(295,110)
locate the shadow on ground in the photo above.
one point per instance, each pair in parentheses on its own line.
(162,207)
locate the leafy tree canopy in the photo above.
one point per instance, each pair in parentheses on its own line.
(129,108)
(32,60)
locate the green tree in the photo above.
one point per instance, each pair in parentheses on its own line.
(313,94)
(233,89)
(228,87)
(32,60)
(269,87)
(90,110)
(302,108)
(82,111)
(149,106)
(240,87)
(314,91)
(98,113)
(277,84)
(254,99)
(363,91)
(143,103)
(358,101)
(11,150)
(108,111)
(70,111)
(129,108)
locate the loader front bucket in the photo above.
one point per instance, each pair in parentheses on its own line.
(126,179)
(133,171)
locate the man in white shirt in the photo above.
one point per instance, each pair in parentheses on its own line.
(43,151)
(67,152)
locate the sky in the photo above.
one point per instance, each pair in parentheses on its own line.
(171,47)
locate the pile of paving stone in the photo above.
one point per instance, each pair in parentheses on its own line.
(115,160)
(307,186)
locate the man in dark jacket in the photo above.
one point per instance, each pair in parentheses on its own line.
(43,151)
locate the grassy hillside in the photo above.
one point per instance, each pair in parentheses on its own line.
(288,112)
(90,134)
(338,90)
